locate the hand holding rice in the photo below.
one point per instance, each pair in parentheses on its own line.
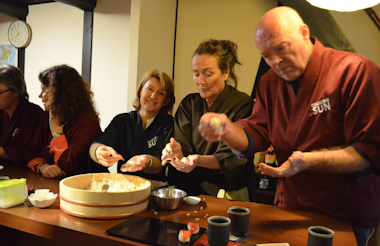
(185,160)
(216,123)
(130,163)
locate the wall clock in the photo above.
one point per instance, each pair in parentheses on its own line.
(19,34)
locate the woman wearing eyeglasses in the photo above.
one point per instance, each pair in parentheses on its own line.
(18,116)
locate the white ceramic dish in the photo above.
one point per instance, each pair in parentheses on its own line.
(192,200)
(43,203)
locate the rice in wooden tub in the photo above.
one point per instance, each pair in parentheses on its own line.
(123,185)
(81,195)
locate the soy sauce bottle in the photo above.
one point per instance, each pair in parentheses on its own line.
(270,157)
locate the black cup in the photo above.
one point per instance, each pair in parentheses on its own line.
(239,220)
(320,236)
(218,231)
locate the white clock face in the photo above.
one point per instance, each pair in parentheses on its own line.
(19,34)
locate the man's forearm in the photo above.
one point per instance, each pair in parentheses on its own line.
(341,161)
(234,136)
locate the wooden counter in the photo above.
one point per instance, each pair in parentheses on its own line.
(23,224)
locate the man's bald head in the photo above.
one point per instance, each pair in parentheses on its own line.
(283,40)
(278,20)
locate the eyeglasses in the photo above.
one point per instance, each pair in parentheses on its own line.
(4,91)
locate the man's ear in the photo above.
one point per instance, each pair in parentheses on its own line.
(305,31)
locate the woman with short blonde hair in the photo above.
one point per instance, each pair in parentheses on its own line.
(135,140)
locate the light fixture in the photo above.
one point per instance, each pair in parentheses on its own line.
(344,5)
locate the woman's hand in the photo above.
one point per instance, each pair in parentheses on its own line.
(212,125)
(136,163)
(171,150)
(51,171)
(107,156)
(186,164)
(55,124)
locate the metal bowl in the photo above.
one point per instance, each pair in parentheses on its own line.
(168,198)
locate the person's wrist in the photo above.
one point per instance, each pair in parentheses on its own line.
(39,166)
(97,152)
(197,160)
(306,158)
(226,129)
(150,161)
(298,159)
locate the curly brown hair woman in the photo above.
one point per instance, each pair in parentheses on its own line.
(70,124)
(66,92)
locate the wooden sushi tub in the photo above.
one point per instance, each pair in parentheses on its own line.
(77,201)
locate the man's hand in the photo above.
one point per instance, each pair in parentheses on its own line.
(296,163)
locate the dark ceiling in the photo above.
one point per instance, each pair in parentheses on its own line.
(20,8)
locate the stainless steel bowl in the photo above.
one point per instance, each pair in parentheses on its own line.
(168,198)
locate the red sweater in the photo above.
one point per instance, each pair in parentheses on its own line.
(68,151)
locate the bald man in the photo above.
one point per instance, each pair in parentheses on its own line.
(319,108)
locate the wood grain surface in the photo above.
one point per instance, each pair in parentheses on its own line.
(268,223)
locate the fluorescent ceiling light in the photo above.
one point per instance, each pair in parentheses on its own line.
(344,5)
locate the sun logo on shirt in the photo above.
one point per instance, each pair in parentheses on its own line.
(321,106)
(152,142)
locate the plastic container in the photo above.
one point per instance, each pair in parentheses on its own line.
(12,192)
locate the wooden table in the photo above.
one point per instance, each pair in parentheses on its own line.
(23,224)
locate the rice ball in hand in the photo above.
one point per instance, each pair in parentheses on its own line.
(217,124)
(185,160)
(130,163)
